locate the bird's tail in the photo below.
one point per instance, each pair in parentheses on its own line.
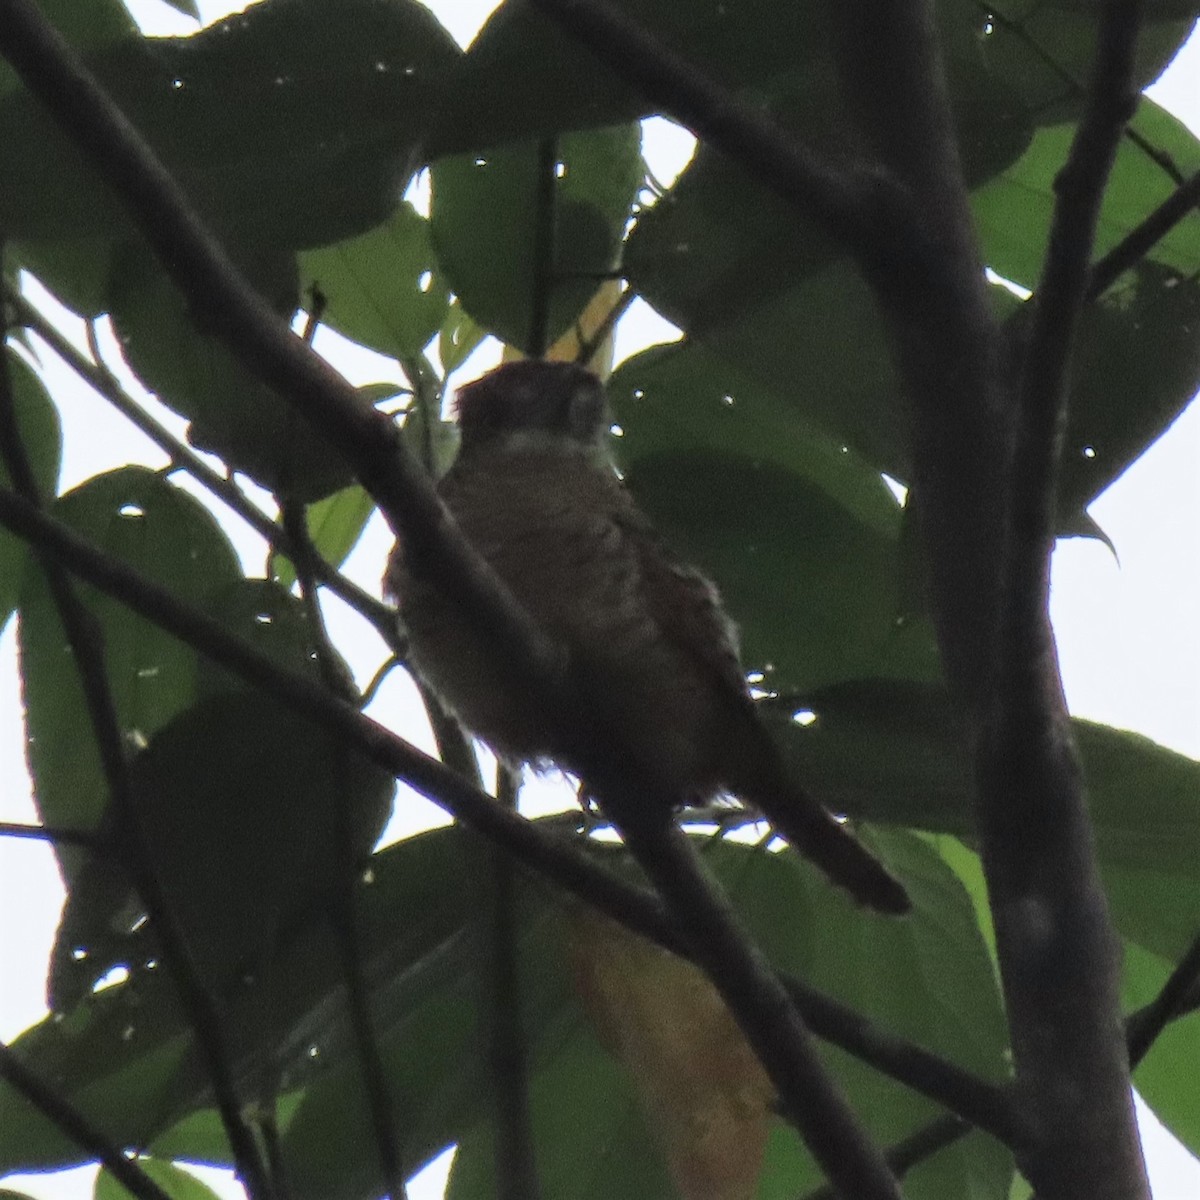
(828,844)
(813,832)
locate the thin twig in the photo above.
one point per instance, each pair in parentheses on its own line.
(589,346)
(922,1144)
(85,640)
(516,1161)
(545,210)
(343,913)
(1177,998)
(1139,241)
(558,860)
(56,835)
(77,1127)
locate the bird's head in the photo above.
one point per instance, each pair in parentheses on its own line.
(534,405)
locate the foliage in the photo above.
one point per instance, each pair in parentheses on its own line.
(758,444)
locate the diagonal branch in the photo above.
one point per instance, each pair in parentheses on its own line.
(1058,952)
(859,207)
(55,836)
(343,905)
(1141,240)
(86,644)
(73,1123)
(1177,998)
(563,864)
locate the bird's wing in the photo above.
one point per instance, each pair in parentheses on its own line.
(685,604)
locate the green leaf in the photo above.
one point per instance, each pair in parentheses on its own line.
(458,339)
(113,1059)
(382,288)
(610,1153)
(1013,212)
(233,415)
(174,1180)
(288,126)
(237,778)
(139,518)
(484,216)
(896,752)
(76,270)
(680,398)
(41,435)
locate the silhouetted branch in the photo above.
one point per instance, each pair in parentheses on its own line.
(343,910)
(515,1159)
(906,1154)
(86,642)
(55,835)
(73,1123)
(858,207)
(559,861)
(545,209)
(1138,242)
(1179,997)
(1058,953)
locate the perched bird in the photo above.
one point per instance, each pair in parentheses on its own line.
(646,638)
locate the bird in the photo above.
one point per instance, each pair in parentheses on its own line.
(652,656)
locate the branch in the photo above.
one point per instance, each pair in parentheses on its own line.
(507,1049)
(858,207)
(1177,998)
(102,380)
(343,912)
(561,863)
(922,1144)
(1058,953)
(86,644)
(1138,242)
(808,1095)
(72,1122)
(545,207)
(55,835)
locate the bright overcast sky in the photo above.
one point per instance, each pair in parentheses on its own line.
(1128,633)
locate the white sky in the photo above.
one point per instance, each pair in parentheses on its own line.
(1128,633)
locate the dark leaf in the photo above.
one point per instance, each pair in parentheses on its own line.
(233,415)
(289,127)
(484,215)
